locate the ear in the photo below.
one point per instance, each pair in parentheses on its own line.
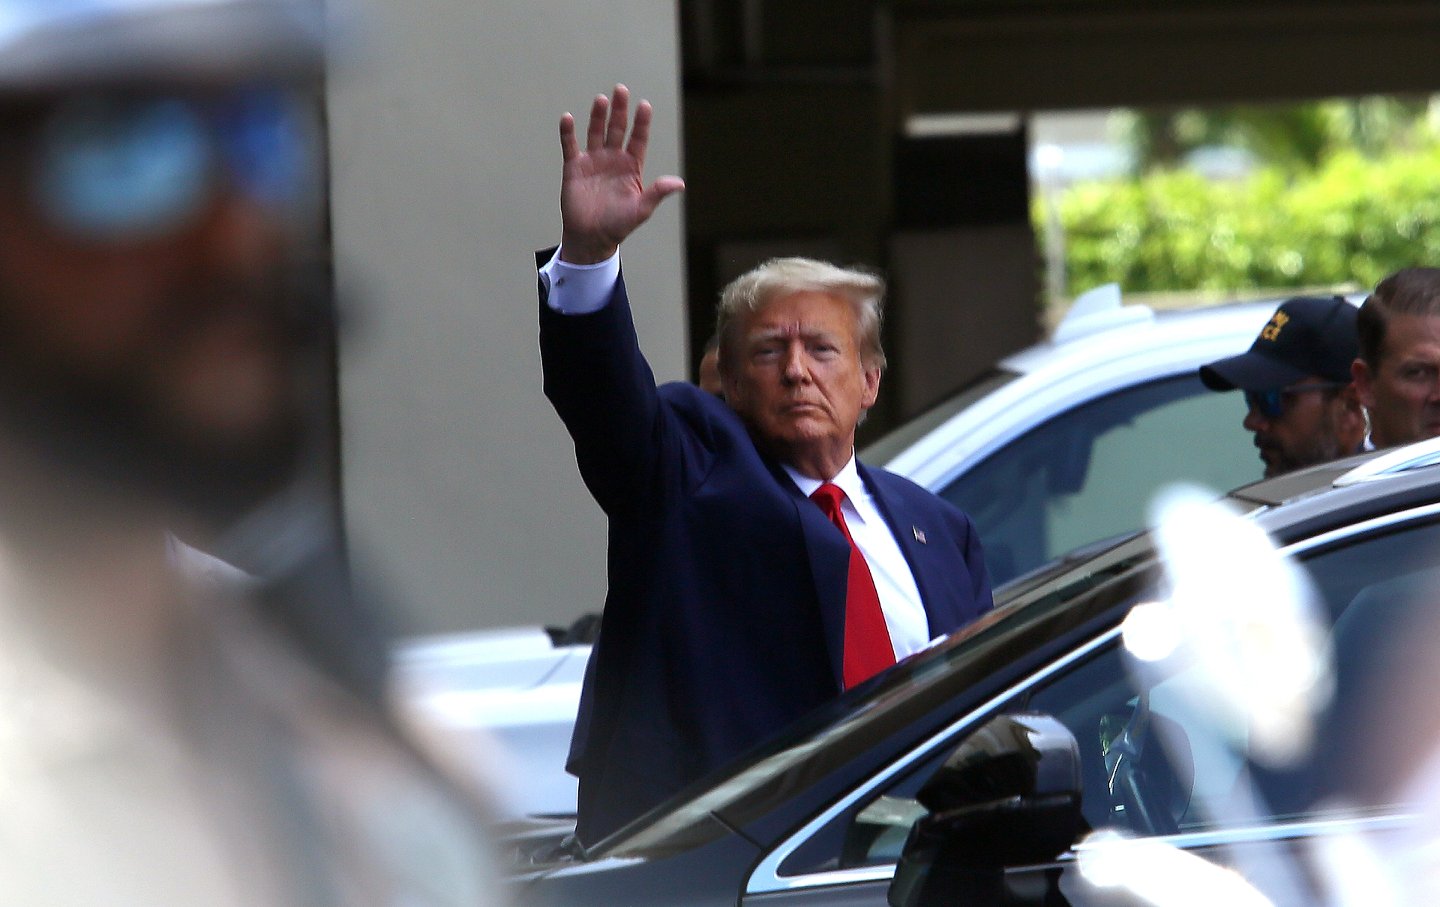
(1349,397)
(1351,423)
(729,388)
(1362,379)
(872,388)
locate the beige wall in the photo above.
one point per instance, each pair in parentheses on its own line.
(460,485)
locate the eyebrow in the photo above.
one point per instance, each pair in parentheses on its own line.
(786,333)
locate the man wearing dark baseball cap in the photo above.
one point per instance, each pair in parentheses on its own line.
(1302,407)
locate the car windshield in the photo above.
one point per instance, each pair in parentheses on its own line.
(831,736)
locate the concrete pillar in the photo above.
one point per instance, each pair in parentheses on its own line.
(460,487)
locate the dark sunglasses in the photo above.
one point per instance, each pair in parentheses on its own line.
(112,166)
(1271,404)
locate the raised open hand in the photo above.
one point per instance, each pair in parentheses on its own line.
(603,196)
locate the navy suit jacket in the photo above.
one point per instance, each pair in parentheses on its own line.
(725,613)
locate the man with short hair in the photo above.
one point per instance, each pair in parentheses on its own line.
(736,605)
(166,738)
(1300,404)
(1397,372)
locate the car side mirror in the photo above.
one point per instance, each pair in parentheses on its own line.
(1008,795)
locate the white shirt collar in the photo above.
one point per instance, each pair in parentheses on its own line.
(848,479)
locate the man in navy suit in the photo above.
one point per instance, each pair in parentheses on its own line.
(736,604)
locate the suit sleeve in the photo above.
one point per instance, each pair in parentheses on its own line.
(604,391)
(969,580)
(974,554)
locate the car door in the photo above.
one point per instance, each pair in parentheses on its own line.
(1206,796)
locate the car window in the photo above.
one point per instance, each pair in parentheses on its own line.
(1148,765)
(1089,473)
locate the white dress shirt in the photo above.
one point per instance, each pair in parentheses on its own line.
(579,289)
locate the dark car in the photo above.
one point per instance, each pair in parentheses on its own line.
(822,814)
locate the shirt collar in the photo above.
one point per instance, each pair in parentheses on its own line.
(848,479)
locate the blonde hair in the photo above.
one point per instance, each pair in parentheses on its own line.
(751,291)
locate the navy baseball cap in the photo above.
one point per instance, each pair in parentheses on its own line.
(1306,336)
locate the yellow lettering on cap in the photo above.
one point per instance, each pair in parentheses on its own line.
(1272,330)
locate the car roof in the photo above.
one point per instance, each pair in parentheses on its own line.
(1058,374)
(1310,501)
(1163,328)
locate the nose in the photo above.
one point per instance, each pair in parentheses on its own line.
(1432,397)
(1255,420)
(239,237)
(797,370)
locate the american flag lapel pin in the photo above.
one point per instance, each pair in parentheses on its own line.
(919,534)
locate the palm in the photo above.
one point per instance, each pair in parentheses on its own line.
(603,196)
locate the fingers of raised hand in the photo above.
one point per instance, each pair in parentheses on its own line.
(568,148)
(660,190)
(595,133)
(609,119)
(619,118)
(640,135)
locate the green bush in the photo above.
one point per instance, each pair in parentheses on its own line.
(1352,220)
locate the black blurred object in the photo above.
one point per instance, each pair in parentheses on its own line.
(1008,795)
(930,194)
(583,632)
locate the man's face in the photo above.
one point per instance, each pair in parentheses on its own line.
(1402,394)
(172,343)
(798,380)
(1315,425)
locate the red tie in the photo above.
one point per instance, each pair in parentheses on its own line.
(867,643)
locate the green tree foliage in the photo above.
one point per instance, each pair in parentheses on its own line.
(1293,137)
(1349,220)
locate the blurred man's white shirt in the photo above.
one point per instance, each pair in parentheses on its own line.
(231,773)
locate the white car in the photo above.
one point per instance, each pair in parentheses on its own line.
(505,698)
(1060,446)
(1063,444)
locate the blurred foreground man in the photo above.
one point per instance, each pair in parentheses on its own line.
(1397,373)
(1300,404)
(735,605)
(165,740)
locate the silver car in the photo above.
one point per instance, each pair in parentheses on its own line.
(1063,444)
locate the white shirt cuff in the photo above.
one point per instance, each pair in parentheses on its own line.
(579,289)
